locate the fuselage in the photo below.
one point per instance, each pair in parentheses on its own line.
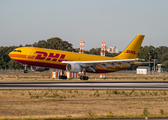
(52,58)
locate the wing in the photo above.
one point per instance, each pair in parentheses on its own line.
(91,65)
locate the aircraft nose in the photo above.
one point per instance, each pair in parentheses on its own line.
(9,54)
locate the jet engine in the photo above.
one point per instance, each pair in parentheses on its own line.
(73,68)
(39,69)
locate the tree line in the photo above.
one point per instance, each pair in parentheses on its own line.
(147,52)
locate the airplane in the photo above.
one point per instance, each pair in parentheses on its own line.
(41,59)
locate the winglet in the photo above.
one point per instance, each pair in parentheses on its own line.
(132,49)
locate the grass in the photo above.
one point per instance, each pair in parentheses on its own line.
(46,77)
(145,111)
(161,111)
(83,103)
(109,115)
(115,92)
(77,118)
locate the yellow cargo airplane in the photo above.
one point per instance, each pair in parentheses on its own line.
(41,59)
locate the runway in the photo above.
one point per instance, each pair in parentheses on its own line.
(86,85)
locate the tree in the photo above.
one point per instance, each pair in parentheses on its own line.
(165,63)
(94,51)
(54,43)
(41,44)
(143,53)
(163,57)
(160,53)
(15,65)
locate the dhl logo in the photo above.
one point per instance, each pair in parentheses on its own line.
(51,57)
(129,51)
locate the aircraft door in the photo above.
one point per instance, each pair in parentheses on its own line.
(30,54)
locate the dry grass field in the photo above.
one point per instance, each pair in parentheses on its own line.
(49,103)
(46,77)
(83,103)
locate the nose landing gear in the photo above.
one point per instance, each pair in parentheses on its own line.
(25,68)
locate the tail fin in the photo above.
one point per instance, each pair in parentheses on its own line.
(132,49)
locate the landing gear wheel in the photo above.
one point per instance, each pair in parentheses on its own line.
(81,77)
(84,77)
(62,77)
(25,71)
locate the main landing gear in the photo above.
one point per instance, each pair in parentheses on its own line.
(25,68)
(84,77)
(63,76)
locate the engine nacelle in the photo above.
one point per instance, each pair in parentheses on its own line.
(40,69)
(73,68)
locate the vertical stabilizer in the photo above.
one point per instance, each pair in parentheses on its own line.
(132,49)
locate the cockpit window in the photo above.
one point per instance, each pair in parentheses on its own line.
(17,51)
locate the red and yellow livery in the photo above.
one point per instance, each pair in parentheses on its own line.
(76,62)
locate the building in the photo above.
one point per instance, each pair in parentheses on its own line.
(112,49)
(160,68)
(143,70)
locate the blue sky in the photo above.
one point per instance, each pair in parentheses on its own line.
(116,22)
